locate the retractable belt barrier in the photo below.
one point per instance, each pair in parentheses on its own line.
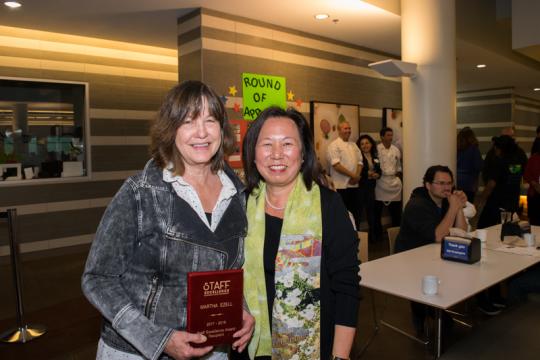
(22,332)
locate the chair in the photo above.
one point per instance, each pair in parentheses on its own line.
(392,234)
(362,246)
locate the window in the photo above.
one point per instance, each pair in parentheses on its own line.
(42,129)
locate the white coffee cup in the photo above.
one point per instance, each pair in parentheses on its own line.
(430,284)
(529,239)
(483,252)
(481,234)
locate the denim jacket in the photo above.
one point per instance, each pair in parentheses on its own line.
(147,242)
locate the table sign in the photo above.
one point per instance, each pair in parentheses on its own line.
(215,303)
(460,249)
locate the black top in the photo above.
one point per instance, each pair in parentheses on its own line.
(419,220)
(365,181)
(339,267)
(271,245)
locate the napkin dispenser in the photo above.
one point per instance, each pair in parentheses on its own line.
(510,230)
(460,249)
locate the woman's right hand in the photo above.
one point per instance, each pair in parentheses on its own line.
(179,348)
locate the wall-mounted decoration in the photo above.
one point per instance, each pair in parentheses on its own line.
(239,128)
(393,118)
(290,95)
(260,92)
(232,90)
(325,118)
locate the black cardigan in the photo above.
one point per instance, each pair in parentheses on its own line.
(340,282)
(365,182)
(339,269)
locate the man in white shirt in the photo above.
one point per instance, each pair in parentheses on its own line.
(346,164)
(388,187)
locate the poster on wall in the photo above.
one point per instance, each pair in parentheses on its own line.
(393,118)
(261,91)
(325,118)
(239,128)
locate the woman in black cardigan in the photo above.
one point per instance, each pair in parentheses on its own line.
(301,279)
(368,177)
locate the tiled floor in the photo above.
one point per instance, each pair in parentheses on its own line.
(53,298)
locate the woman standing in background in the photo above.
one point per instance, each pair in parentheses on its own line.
(368,178)
(469,162)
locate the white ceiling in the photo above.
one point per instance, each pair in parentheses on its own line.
(482,33)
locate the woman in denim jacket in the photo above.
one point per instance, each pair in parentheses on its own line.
(184,212)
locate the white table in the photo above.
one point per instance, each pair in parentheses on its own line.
(494,236)
(401,275)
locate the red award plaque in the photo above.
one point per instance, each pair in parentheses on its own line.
(214,306)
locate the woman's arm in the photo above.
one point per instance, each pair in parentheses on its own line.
(343,340)
(488,189)
(342,265)
(112,250)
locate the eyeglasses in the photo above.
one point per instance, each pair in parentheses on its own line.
(443,183)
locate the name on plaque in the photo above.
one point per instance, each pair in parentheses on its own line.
(215,305)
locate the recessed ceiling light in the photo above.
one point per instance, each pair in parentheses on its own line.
(12,4)
(481,66)
(536,89)
(322,16)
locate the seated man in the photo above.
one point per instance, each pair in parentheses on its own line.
(428,216)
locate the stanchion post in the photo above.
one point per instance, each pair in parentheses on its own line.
(23,332)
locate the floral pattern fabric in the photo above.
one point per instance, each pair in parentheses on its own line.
(296,312)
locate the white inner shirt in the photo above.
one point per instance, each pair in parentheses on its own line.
(187,193)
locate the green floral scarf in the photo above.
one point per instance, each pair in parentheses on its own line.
(296,311)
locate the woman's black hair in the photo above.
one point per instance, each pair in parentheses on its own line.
(373,150)
(310,168)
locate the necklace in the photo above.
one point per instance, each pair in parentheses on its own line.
(272,206)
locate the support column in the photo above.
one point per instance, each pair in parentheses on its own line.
(429,100)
